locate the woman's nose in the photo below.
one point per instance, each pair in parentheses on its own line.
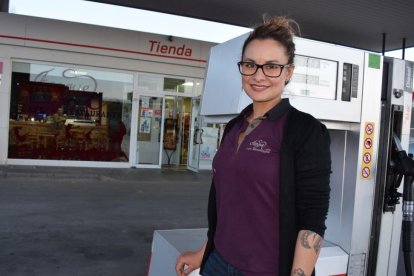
(259,74)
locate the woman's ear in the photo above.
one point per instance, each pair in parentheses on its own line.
(289,74)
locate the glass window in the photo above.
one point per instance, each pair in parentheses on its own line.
(177,114)
(150,82)
(210,136)
(149,130)
(69,113)
(1,71)
(169,84)
(198,88)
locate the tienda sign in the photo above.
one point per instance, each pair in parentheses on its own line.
(157,47)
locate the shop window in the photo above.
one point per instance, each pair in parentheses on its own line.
(168,84)
(174,85)
(64,113)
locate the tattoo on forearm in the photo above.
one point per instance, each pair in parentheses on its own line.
(318,244)
(298,272)
(304,239)
(315,238)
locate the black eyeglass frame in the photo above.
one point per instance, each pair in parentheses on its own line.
(282,66)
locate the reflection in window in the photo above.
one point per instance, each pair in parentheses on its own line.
(174,85)
(60,113)
(159,83)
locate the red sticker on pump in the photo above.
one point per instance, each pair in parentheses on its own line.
(369,128)
(366,172)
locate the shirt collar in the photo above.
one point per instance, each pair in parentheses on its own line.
(273,114)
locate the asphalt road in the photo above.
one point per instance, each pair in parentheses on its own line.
(83,221)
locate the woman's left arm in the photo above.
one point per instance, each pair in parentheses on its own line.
(313,169)
(308,245)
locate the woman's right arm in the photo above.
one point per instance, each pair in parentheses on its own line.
(189,261)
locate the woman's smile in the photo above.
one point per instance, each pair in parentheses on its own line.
(259,87)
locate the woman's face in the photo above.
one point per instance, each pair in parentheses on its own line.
(259,87)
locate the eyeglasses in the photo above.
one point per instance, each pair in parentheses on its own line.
(271,70)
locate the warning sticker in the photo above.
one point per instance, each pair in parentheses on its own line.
(368,143)
(367,148)
(366,172)
(369,128)
(367,158)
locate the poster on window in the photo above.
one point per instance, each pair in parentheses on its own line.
(209,146)
(145,102)
(145,125)
(157,114)
(146,112)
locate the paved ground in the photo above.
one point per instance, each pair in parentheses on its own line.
(83,221)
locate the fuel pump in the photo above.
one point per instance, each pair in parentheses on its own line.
(391,222)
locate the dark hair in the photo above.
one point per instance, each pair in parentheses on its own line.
(279,28)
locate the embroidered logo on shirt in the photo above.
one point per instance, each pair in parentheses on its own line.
(260,146)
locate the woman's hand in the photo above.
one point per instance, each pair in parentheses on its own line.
(189,261)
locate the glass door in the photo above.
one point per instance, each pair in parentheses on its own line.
(177,112)
(196,135)
(149,131)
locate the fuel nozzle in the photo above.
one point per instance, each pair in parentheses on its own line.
(404,163)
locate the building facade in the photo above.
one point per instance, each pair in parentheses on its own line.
(74,94)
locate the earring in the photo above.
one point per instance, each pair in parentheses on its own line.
(287,81)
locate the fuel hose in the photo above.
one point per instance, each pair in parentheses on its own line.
(405,166)
(407,223)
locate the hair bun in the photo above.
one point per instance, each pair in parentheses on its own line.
(279,28)
(282,22)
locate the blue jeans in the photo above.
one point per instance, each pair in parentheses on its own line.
(217,266)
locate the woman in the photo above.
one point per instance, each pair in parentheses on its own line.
(270,193)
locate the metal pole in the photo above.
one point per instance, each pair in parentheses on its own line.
(403,49)
(383,43)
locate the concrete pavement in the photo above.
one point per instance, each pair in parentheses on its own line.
(89,221)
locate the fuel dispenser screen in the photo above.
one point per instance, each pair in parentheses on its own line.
(314,77)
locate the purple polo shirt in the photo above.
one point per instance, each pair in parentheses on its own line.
(246,178)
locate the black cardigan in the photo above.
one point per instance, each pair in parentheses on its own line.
(305,167)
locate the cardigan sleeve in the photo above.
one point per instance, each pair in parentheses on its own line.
(312,175)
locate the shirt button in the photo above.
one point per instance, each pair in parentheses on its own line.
(252,125)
